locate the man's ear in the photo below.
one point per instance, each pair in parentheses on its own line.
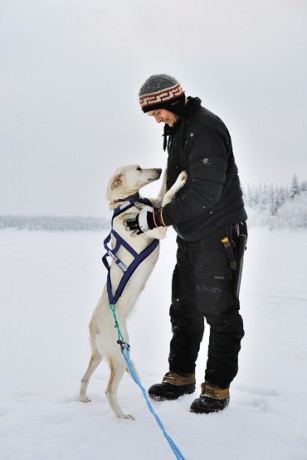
(116,181)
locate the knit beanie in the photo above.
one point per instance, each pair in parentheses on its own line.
(162,92)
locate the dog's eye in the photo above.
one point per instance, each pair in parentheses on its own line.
(139,168)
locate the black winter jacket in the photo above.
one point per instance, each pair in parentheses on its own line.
(200,144)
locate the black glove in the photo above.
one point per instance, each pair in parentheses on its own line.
(147,219)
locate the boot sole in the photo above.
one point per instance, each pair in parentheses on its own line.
(208,410)
(205,411)
(165,398)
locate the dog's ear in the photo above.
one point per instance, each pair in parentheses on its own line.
(116,181)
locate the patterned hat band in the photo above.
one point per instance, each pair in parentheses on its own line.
(160,97)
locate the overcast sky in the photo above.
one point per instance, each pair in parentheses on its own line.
(70,75)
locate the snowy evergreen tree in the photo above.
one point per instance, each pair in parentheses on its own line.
(293,213)
(303,186)
(295,188)
(277,206)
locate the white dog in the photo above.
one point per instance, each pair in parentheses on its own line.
(124,185)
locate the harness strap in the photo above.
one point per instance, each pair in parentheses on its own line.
(133,266)
(128,272)
(121,242)
(137,257)
(123,207)
(112,253)
(129,204)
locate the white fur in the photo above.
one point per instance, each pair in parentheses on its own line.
(103,335)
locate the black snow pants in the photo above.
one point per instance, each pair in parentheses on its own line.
(203,288)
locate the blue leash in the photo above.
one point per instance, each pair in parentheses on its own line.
(125,351)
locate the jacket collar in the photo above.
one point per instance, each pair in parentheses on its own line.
(190,108)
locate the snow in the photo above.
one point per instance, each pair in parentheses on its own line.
(50,284)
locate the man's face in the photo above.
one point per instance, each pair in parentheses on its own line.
(164,116)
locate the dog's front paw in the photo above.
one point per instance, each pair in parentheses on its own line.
(183,177)
(181,180)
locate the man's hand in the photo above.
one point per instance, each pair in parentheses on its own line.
(147,219)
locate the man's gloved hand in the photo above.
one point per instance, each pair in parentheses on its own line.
(147,219)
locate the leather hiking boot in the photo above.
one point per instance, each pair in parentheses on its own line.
(172,386)
(212,399)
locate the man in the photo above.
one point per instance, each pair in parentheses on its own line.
(208,215)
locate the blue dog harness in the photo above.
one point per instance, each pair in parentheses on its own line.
(137,257)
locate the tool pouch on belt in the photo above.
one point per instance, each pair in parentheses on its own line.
(235,245)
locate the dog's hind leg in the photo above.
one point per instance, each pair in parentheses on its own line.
(117,370)
(95,360)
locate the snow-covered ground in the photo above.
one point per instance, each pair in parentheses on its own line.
(50,282)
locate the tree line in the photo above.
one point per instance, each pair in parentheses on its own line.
(277,206)
(53,223)
(267,205)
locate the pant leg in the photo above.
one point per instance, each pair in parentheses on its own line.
(217,302)
(186,319)
(226,332)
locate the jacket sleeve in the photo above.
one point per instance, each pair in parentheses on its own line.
(207,166)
